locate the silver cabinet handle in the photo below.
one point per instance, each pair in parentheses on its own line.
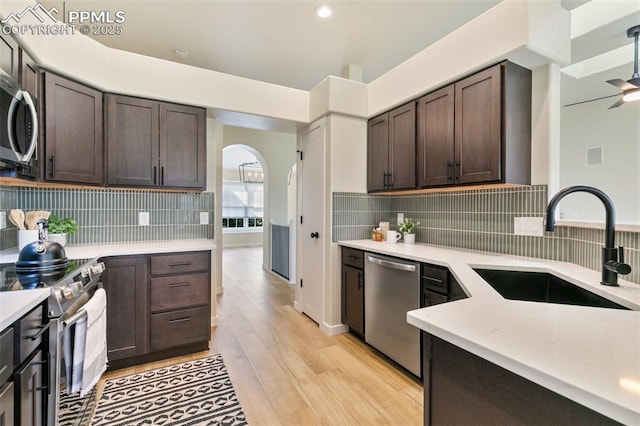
(394,265)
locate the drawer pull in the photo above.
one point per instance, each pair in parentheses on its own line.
(174,285)
(173,265)
(175,321)
(436,280)
(40,332)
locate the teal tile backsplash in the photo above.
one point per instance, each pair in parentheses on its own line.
(479,219)
(109,216)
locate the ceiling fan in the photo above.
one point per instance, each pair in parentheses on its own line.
(630,88)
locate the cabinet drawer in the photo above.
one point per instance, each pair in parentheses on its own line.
(179,291)
(179,328)
(180,263)
(27,334)
(353,257)
(6,355)
(434,278)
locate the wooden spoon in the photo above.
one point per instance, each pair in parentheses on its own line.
(30,219)
(16,216)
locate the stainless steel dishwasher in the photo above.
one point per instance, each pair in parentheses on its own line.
(392,288)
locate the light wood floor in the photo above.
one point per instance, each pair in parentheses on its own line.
(288,372)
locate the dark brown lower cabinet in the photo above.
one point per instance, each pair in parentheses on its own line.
(461,388)
(125,282)
(31,391)
(158,306)
(353,290)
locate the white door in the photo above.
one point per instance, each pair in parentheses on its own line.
(311,191)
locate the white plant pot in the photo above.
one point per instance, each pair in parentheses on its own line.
(59,238)
(409,238)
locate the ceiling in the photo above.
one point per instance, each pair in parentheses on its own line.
(283,42)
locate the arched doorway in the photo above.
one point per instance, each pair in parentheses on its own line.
(244,205)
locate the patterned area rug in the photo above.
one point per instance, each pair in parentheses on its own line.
(197,392)
(74,410)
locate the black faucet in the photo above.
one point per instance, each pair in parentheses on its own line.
(612,256)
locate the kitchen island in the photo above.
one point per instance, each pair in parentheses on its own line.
(588,355)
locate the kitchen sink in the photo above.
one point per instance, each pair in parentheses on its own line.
(542,287)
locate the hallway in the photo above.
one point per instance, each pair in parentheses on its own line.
(287,372)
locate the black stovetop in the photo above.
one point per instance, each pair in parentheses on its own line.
(9,280)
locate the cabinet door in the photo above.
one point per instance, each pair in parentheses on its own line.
(125,282)
(73,131)
(353,304)
(31,392)
(132,141)
(378,153)
(6,404)
(435,138)
(9,56)
(182,146)
(28,73)
(402,147)
(478,121)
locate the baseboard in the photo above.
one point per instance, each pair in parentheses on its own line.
(297,306)
(333,330)
(214,321)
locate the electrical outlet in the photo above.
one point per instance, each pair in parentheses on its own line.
(204,218)
(3,220)
(533,226)
(143,218)
(400,217)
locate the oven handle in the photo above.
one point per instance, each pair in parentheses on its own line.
(74,318)
(41,331)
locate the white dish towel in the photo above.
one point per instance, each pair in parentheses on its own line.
(95,348)
(89,358)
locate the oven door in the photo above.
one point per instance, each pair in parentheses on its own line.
(18,124)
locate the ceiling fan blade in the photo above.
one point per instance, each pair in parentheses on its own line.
(591,100)
(634,82)
(621,84)
(617,104)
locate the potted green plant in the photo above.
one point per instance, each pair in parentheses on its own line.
(408,228)
(59,227)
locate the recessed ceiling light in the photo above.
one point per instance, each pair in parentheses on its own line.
(323,11)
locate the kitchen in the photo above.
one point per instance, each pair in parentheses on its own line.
(346,112)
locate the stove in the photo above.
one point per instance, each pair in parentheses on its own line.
(67,295)
(80,279)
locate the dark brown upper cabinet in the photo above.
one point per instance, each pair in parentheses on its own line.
(477,130)
(29,77)
(391,149)
(9,61)
(155,144)
(73,131)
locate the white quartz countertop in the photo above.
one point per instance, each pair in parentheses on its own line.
(14,304)
(589,355)
(90,251)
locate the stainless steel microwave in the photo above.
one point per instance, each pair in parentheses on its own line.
(18,128)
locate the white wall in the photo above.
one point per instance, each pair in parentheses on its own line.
(617,130)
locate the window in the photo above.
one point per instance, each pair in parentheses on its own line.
(242,206)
